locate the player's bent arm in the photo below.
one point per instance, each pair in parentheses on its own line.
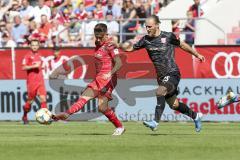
(117,65)
(25,67)
(36,65)
(183,45)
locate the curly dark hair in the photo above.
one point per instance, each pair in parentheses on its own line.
(100,28)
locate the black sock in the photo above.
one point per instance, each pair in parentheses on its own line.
(184,109)
(159,108)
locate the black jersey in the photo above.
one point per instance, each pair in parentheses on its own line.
(161,50)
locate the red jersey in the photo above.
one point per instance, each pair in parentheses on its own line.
(195,9)
(34,76)
(99,15)
(104,56)
(88,2)
(81,14)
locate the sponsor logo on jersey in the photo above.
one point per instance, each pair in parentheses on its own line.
(163,40)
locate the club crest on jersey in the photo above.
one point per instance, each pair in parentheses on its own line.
(163,40)
(116,51)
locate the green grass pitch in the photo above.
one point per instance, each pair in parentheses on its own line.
(93,141)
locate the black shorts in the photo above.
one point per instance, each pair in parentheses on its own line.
(170,81)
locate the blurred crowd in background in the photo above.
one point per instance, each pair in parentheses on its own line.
(69,23)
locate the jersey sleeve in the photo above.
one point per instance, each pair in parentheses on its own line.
(174,40)
(113,50)
(25,60)
(140,44)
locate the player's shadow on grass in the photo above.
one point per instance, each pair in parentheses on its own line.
(87,134)
(74,134)
(41,135)
(169,134)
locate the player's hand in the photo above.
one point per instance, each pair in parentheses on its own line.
(107,76)
(26,68)
(201,58)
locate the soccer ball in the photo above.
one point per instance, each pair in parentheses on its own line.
(43,116)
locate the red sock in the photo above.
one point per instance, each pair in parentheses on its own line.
(44,105)
(77,106)
(26,109)
(112,118)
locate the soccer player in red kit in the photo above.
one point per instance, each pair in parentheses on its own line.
(107,62)
(32,64)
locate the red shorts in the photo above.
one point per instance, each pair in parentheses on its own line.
(104,87)
(34,90)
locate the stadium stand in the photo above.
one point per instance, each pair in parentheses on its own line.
(223,21)
(47,19)
(76,15)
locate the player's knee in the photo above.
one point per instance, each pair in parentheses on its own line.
(161,91)
(30,101)
(101,108)
(175,105)
(42,99)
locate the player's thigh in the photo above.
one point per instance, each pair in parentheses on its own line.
(170,82)
(42,94)
(102,103)
(108,88)
(89,93)
(172,102)
(161,91)
(32,93)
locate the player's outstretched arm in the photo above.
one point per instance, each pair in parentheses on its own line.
(189,49)
(29,67)
(127,46)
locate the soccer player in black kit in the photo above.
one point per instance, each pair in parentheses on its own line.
(160,47)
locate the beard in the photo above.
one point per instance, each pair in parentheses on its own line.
(97,43)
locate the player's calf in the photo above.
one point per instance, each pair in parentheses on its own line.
(112,118)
